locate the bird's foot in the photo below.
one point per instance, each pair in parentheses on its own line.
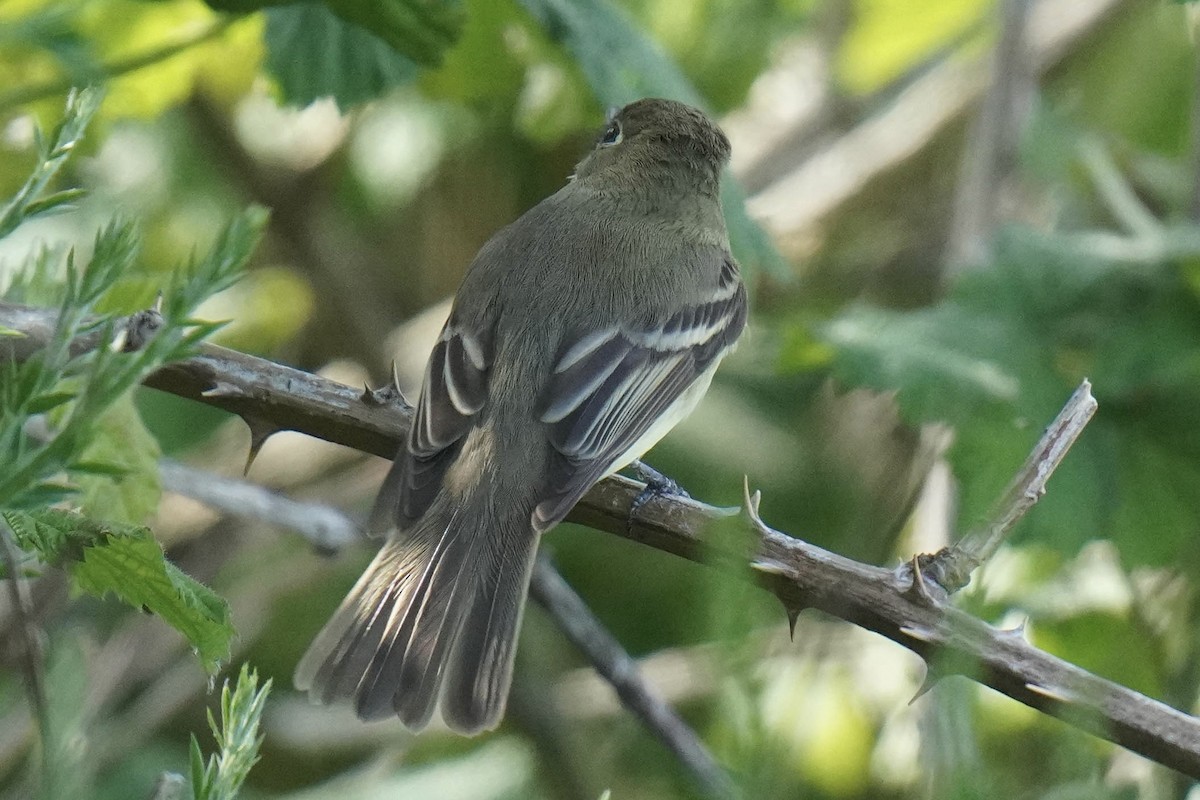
(657,485)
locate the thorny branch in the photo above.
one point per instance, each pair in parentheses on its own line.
(801,575)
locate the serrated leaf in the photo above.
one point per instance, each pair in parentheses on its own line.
(127,561)
(312,54)
(130,564)
(53,535)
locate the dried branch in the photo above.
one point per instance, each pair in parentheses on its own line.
(952,567)
(330,529)
(801,575)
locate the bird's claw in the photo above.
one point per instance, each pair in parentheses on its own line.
(657,485)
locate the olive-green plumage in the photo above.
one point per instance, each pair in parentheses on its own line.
(581,334)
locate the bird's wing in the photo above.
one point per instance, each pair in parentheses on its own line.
(454,391)
(609,388)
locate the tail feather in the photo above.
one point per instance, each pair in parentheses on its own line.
(336,659)
(440,603)
(481,668)
(406,671)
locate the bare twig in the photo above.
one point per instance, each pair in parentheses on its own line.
(330,529)
(800,574)
(952,567)
(613,664)
(326,527)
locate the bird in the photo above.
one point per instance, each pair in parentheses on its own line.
(581,333)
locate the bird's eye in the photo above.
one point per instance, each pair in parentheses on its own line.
(612,134)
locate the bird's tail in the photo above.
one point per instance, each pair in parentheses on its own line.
(440,605)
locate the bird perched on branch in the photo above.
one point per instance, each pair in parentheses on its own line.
(581,334)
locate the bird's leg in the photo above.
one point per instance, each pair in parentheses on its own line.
(657,485)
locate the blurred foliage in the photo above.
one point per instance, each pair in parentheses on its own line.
(1010,342)
(445,120)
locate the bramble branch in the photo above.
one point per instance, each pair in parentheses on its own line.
(802,576)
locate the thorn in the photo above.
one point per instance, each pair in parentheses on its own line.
(919,588)
(388,393)
(921,634)
(396,381)
(932,678)
(158,302)
(793,614)
(769,567)
(260,431)
(1016,633)
(751,503)
(222,389)
(1058,695)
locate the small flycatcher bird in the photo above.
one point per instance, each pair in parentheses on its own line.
(582,333)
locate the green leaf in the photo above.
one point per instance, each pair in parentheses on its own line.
(49,401)
(314,54)
(422,30)
(127,561)
(98,468)
(623,64)
(42,494)
(199,774)
(238,740)
(59,201)
(120,442)
(53,152)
